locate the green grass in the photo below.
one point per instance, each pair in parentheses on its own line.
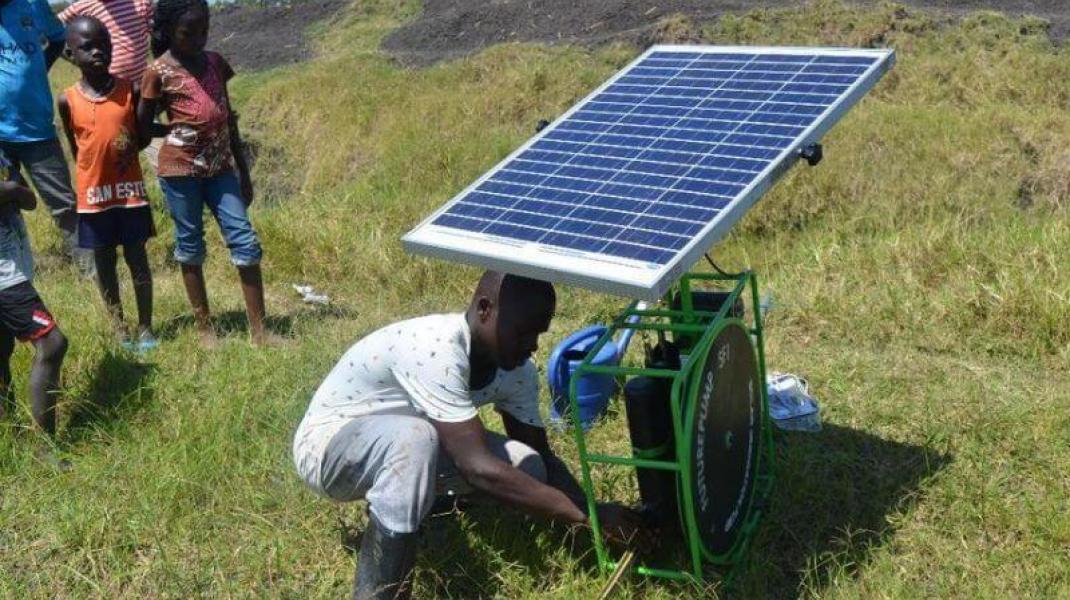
(920,279)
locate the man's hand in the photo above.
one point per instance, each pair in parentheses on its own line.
(621,525)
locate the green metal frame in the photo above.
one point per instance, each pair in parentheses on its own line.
(693,331)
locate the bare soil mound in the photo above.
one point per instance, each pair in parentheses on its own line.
(452,28)
(255,37)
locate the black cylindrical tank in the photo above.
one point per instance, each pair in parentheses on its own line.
(647,403)
(706,301)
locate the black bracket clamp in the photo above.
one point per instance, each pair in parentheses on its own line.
(812,153)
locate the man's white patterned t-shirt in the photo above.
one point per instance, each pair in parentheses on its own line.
(417,367)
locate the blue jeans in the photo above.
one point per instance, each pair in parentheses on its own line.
(186,199)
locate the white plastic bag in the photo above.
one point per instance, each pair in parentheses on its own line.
(791,406)
(309,295)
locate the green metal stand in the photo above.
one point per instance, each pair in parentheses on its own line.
(693,332)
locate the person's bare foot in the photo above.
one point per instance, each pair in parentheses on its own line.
(50,458)
(208,338)
(267,339)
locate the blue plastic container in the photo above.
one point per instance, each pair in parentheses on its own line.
(593,392)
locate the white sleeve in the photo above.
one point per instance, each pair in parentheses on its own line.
(437,383)
(520,395)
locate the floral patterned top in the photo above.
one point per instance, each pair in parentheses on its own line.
(198,112)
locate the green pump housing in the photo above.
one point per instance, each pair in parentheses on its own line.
(680,318)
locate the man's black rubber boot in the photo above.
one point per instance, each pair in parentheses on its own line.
(384,568)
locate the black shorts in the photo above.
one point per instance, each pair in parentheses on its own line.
(22,313)
(115,227)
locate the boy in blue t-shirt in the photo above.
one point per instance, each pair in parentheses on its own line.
(31,39)
(23,315)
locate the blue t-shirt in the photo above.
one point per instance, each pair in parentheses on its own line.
(16,258)
(25,98)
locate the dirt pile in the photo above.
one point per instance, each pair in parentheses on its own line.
(254,37)
(453,28)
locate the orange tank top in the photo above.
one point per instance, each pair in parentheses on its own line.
(108,172)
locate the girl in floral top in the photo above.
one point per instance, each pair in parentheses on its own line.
(200,155)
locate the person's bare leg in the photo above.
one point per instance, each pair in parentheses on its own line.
(193,279)
(108,282)
(252,287)
(137,260)
(49,351)
(7,394)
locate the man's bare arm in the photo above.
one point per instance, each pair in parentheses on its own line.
(465,442)
(557,472)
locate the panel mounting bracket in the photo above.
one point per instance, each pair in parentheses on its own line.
(812,153)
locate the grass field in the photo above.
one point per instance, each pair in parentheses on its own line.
(920,277)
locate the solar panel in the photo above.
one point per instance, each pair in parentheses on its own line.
(628,188)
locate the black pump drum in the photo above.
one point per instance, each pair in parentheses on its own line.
(724,423)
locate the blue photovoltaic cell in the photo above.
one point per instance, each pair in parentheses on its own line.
(642,167)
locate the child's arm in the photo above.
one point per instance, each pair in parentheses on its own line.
(239,157)
(147,109)
(226,73)
(156,129)
(144,136)
(148,102)
(146,113)
(159,129)
(64,110)
(19,195)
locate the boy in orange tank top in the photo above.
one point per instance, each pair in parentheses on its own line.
(98,114)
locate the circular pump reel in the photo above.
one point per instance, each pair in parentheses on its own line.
(727,445)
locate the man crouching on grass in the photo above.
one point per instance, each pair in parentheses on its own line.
(401,406)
